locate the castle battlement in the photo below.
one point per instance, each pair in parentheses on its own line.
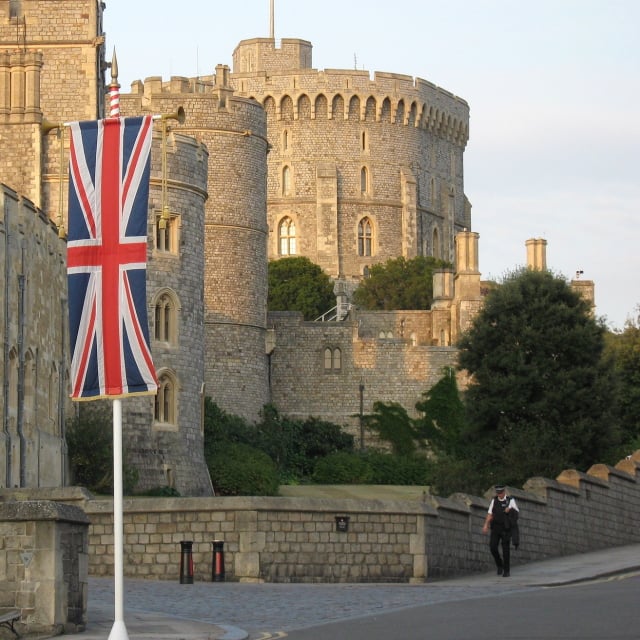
(395,98)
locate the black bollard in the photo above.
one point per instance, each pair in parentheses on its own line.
(217,562)
(186,562)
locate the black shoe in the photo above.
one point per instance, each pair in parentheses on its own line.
(506,574)
(499,571)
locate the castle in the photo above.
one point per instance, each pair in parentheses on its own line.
(273,158)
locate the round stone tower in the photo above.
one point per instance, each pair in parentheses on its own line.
(235,230)
(162,434)
(361,169)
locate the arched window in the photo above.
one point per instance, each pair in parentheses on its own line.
(436,244)
(165,409)
(54,392)
(287,237)
(285,140)
(364,180)
(332,359)
(286,181)
(166,319)
(365,237)
(15,8)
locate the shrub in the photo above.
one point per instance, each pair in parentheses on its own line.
(342,467)
(401,470)
(238,469)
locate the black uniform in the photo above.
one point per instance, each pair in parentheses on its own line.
(503,527)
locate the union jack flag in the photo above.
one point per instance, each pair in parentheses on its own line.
(106,258)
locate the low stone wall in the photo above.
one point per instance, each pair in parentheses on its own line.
(265,539)
(295,539)
(300,540)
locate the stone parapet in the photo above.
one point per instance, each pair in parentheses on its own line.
(314,539)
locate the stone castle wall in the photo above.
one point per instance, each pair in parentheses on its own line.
(34,358)
(298,539)
(389,354)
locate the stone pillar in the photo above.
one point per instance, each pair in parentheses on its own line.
(17,88)
(33,64)
(5,86)
(44,565)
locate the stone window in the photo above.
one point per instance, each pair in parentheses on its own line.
(15,8)
(436,244)
(166,318)
(53,394)
(364,180)
(365,237)
(332,359)
(287,237)
(285,140)
(364,140)
(286,180)
(165,409)
(166,232)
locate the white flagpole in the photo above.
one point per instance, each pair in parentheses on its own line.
(119,630)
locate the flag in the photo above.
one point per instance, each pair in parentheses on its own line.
(106,258)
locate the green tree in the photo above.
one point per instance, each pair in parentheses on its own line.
(90,448)
(540,398)
(391,422)
(399,284)
(297,284)
(443,421)
(624,350)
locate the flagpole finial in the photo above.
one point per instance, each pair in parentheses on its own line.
(114,68)
(114,88)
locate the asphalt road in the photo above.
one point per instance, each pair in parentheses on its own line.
(605,609)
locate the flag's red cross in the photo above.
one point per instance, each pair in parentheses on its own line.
(110,257)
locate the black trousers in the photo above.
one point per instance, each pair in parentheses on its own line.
(498,537)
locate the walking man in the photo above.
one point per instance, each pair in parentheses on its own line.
(502,519)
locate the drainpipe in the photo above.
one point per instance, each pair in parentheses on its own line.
(61,395)
(21,370)
(5,373)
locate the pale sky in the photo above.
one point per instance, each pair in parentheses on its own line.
(553,88)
